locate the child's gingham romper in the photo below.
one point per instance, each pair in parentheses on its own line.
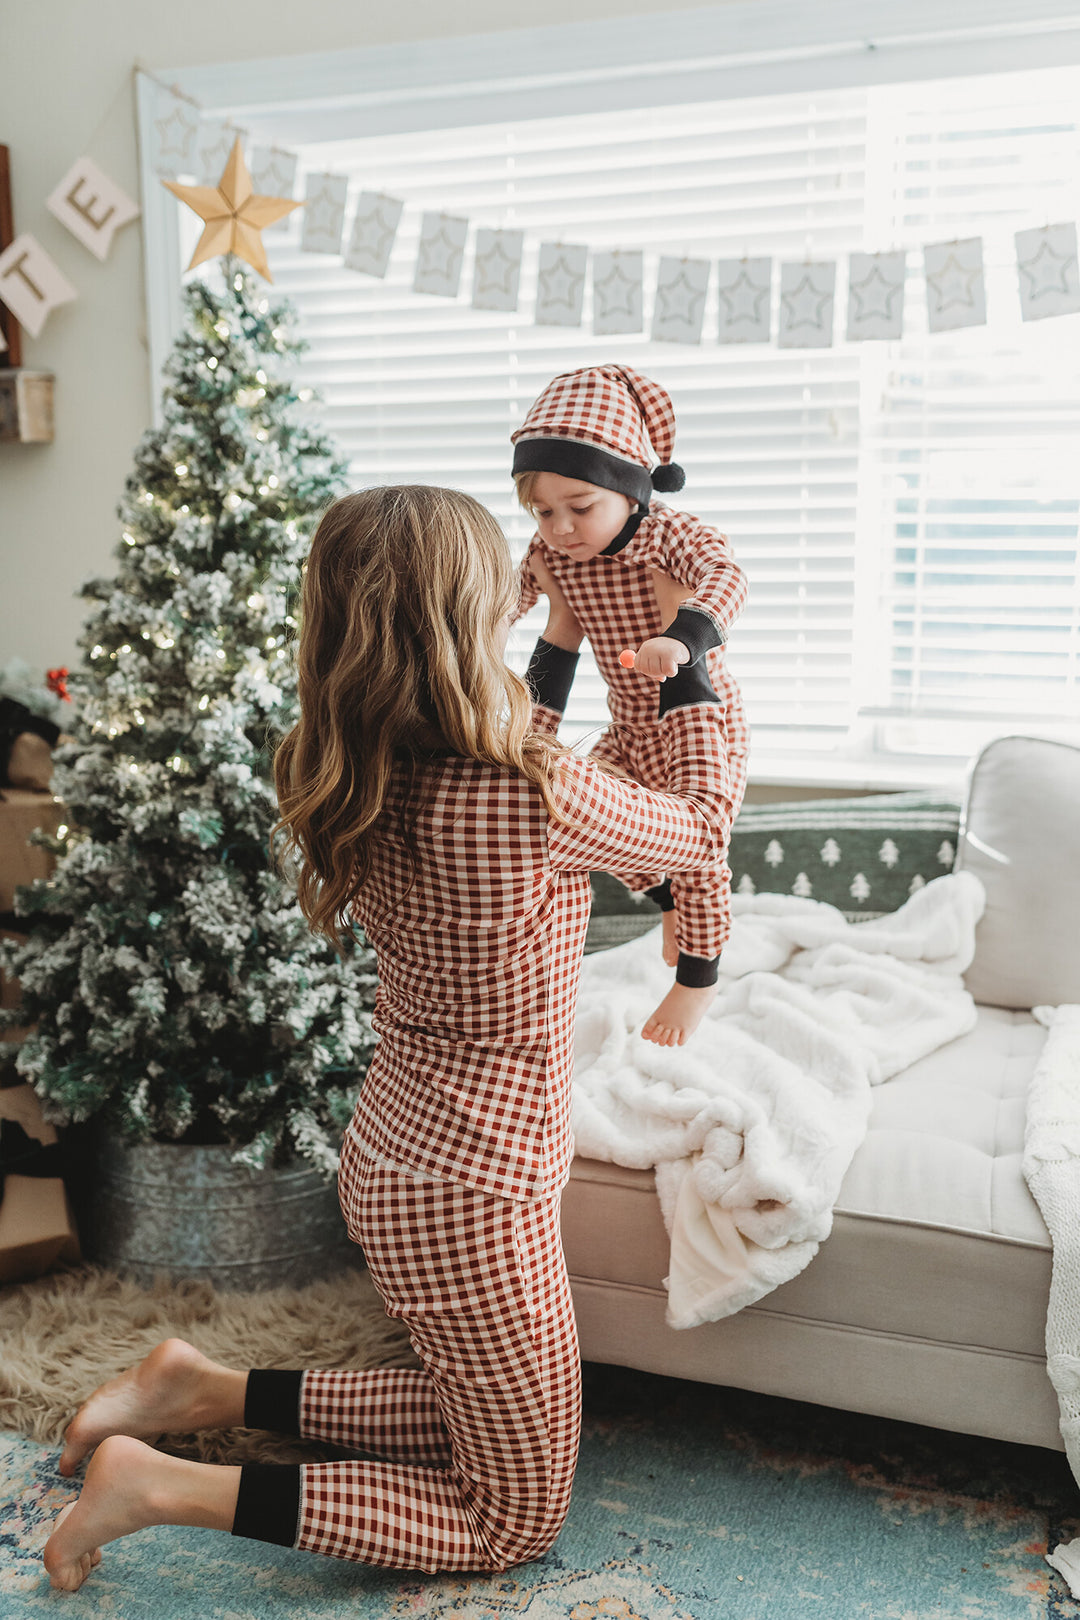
(613,600)
(453,1165)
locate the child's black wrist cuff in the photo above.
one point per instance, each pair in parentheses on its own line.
(661,893)
(268,1503)
(272,1400)
(690,686)
(696,631)
(550,675)
(697,972)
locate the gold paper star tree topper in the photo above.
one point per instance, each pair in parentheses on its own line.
(234,216)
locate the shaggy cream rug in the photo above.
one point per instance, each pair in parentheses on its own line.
(64,1334)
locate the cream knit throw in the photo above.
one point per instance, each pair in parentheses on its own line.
(1051,1168)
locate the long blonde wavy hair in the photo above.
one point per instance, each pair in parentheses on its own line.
(405,594)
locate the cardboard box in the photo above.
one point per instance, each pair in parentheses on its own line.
(36,1226)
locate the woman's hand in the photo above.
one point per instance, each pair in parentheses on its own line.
(657,658)
(562,630)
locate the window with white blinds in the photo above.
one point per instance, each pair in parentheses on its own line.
(906,512)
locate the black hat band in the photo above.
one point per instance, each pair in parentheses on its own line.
(570,458)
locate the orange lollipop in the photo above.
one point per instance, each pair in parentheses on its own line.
(626,659)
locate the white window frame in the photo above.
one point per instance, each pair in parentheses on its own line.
(711,53)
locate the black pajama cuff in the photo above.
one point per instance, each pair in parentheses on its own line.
(550,675)
(661,893)
(697,972)
(268,1503)
(272,1400)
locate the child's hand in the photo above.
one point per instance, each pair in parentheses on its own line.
(562,630)
(658,658)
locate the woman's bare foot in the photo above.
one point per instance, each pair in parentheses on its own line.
(670,943)
(679,1014)
(174,1387)
(128,1487)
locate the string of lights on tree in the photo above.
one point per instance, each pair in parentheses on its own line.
(170,978)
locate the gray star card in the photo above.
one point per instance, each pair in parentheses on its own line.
(745,300)
(681,285)
(373,232)
(1046,263)
(955,288)
(324,213)
(807,296)
(176,132)
(617,284)
(876,295)
(216,139)
(498,269)
(442,248)
(273,174)
(560,288)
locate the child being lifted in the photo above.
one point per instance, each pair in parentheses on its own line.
(658,587)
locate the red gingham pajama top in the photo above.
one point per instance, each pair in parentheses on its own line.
(461,1142)
(613,600)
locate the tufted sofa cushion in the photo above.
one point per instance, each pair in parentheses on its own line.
(934,1227)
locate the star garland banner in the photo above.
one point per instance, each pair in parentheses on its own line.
(273,174)
(876,295)
(237,206)
(745,287)
(374,230)
(497,270)
(955,286)
(560,290)
(324,213)
(679,311)
(31,285)
(233,214)
(807,295)
(1047,267)
(442,249)
(618,291)
(217,137)
(92,206)
(176,137)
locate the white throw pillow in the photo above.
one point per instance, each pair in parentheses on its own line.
(1020,835)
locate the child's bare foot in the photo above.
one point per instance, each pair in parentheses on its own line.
(671,944)
(174,1387)
(679,1014)
(128,1487)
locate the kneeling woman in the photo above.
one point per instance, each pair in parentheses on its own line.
(425,797)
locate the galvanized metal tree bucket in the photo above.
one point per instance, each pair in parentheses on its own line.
(161,1208)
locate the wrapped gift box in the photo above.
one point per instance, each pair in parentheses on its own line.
(36,1226)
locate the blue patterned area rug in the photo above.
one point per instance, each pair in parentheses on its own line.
(691,1503)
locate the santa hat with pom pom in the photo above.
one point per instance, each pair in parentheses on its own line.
(598,425)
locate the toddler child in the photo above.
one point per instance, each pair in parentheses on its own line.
(627,572)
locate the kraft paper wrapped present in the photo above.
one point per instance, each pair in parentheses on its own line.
(36,1226)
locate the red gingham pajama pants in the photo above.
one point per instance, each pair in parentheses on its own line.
(703,897)
(481,1443)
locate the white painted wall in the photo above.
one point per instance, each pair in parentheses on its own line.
(68,91)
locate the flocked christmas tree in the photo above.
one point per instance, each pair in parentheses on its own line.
(175,988)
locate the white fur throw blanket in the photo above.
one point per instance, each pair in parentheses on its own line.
(1051,1167)
(753,1122)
